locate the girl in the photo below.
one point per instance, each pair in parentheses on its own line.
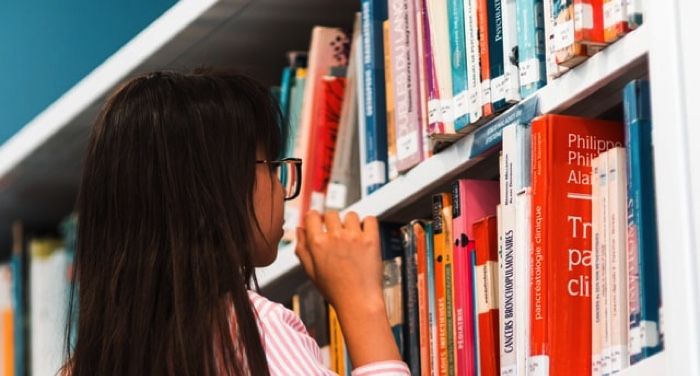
(180,199)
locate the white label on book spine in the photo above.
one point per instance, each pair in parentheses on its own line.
(564,35)
(318,200)
(474,104)
(485,92)
(618,356)
(461,104)
(376,172)
(433,111)
(336,197)
(486,277)
(595,365)
(498,88)
(407,145)
(612,13)
(446,112)
(393,171)
(529,71)
(650,333)
(583,16)
(635,337)
(509,370)
(538,365)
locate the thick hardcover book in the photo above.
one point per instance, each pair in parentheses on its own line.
(374,12)
(325,131)
(407,105)
(486,243)
(511,48)
(531,46)
(614,20)
(471,38)
(496,58)
(442,240)
(411,354)
(562,148)
(420,233)
(458,61)
(523,229)
(642,239)
(617,260)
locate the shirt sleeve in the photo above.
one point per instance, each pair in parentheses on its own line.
(290,350)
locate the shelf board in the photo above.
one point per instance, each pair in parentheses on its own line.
(590,89)
(40,165)
(653,366)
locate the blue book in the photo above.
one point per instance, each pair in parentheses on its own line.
(411,353)
(296,100)
(644,283)
(286,83)
(531,46)
(458,61)
(19,266)
(496,56)
(475,308)
(375,162)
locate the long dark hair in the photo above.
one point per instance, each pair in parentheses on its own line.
(165,234)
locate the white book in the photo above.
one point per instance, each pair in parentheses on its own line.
(471,35)
(361,123)
(596,270)
(617,259)
(510,50)
(523,231)
(553,69)
(49,305)
(604,245)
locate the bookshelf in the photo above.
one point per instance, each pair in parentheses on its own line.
(590,89)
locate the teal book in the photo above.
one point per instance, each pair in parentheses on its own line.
(296,101)
(496,57)
(458,62)
(531,46)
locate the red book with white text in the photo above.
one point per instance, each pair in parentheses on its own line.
(562,150)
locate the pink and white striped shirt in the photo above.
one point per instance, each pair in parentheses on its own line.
(290,350)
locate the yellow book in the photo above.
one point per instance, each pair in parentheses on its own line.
(337,342)
(390,117)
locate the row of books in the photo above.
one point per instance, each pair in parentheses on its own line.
(552,270)
(34,301)
(415,75)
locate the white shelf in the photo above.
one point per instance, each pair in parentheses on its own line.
(653,366)
(40,165)
(588,90)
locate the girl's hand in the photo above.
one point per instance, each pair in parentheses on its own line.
(344,259)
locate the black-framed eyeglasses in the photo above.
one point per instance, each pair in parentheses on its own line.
(288,171)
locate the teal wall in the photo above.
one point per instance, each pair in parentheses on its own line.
(47,46)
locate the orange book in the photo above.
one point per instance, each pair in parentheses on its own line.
(389,90)
(486,243)
(568,50)
(7,356)
(562,150)
(614,20)
(337,343)
(483,20)
(442,240)
(422,286)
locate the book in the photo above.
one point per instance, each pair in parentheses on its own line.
(496,59)
(615,22)
(296,100)
(442,243)
(7,361)
(432,299)
(390,113)
(404,58)
(434,121)
(569,51)
(411,333)
(635,13)
(458,63)
(471,38)
(486,288)
(562,148)
(642,240)
(325,133)
(374,12)
(553,69)
(523,229)
(393,298)
(511,51)
(20,299)
(617,260)
(531,46)
(589,24)
(422,83)
(337,343)
(313,312)
(420,232)
(344,187)
(598,254)
(483,16)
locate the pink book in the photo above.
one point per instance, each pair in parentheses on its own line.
(434,121)
(472,200)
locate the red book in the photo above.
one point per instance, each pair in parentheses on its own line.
(486,243)
(483,20)
(442,242)
(422,286)
(588,22)
(324,132)
(562,149)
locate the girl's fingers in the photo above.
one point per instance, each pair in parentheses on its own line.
(352,222)
(332,220)
(313,224)
(370,227)
(302,252)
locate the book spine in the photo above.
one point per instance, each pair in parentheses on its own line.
(596,296)
(6,322)
(458,56)
(588,23)
(407,106)
(337,344)
(439,232)
(496,58)
(553,69)
(508,325)
(604,261)
(423,297)
(432,301)
(435,123)
(617,280)
(367,180)
(485,291)
(568,50)
(475,346)
(448,265)
(471,36)
(511,51)
(422,81)
(614,20)
(642,248)
(374,12)
(410,293)
(393,297)
(522,277)
(485,57)
(439,27)
(531,46)
(635,12)
(390,112)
